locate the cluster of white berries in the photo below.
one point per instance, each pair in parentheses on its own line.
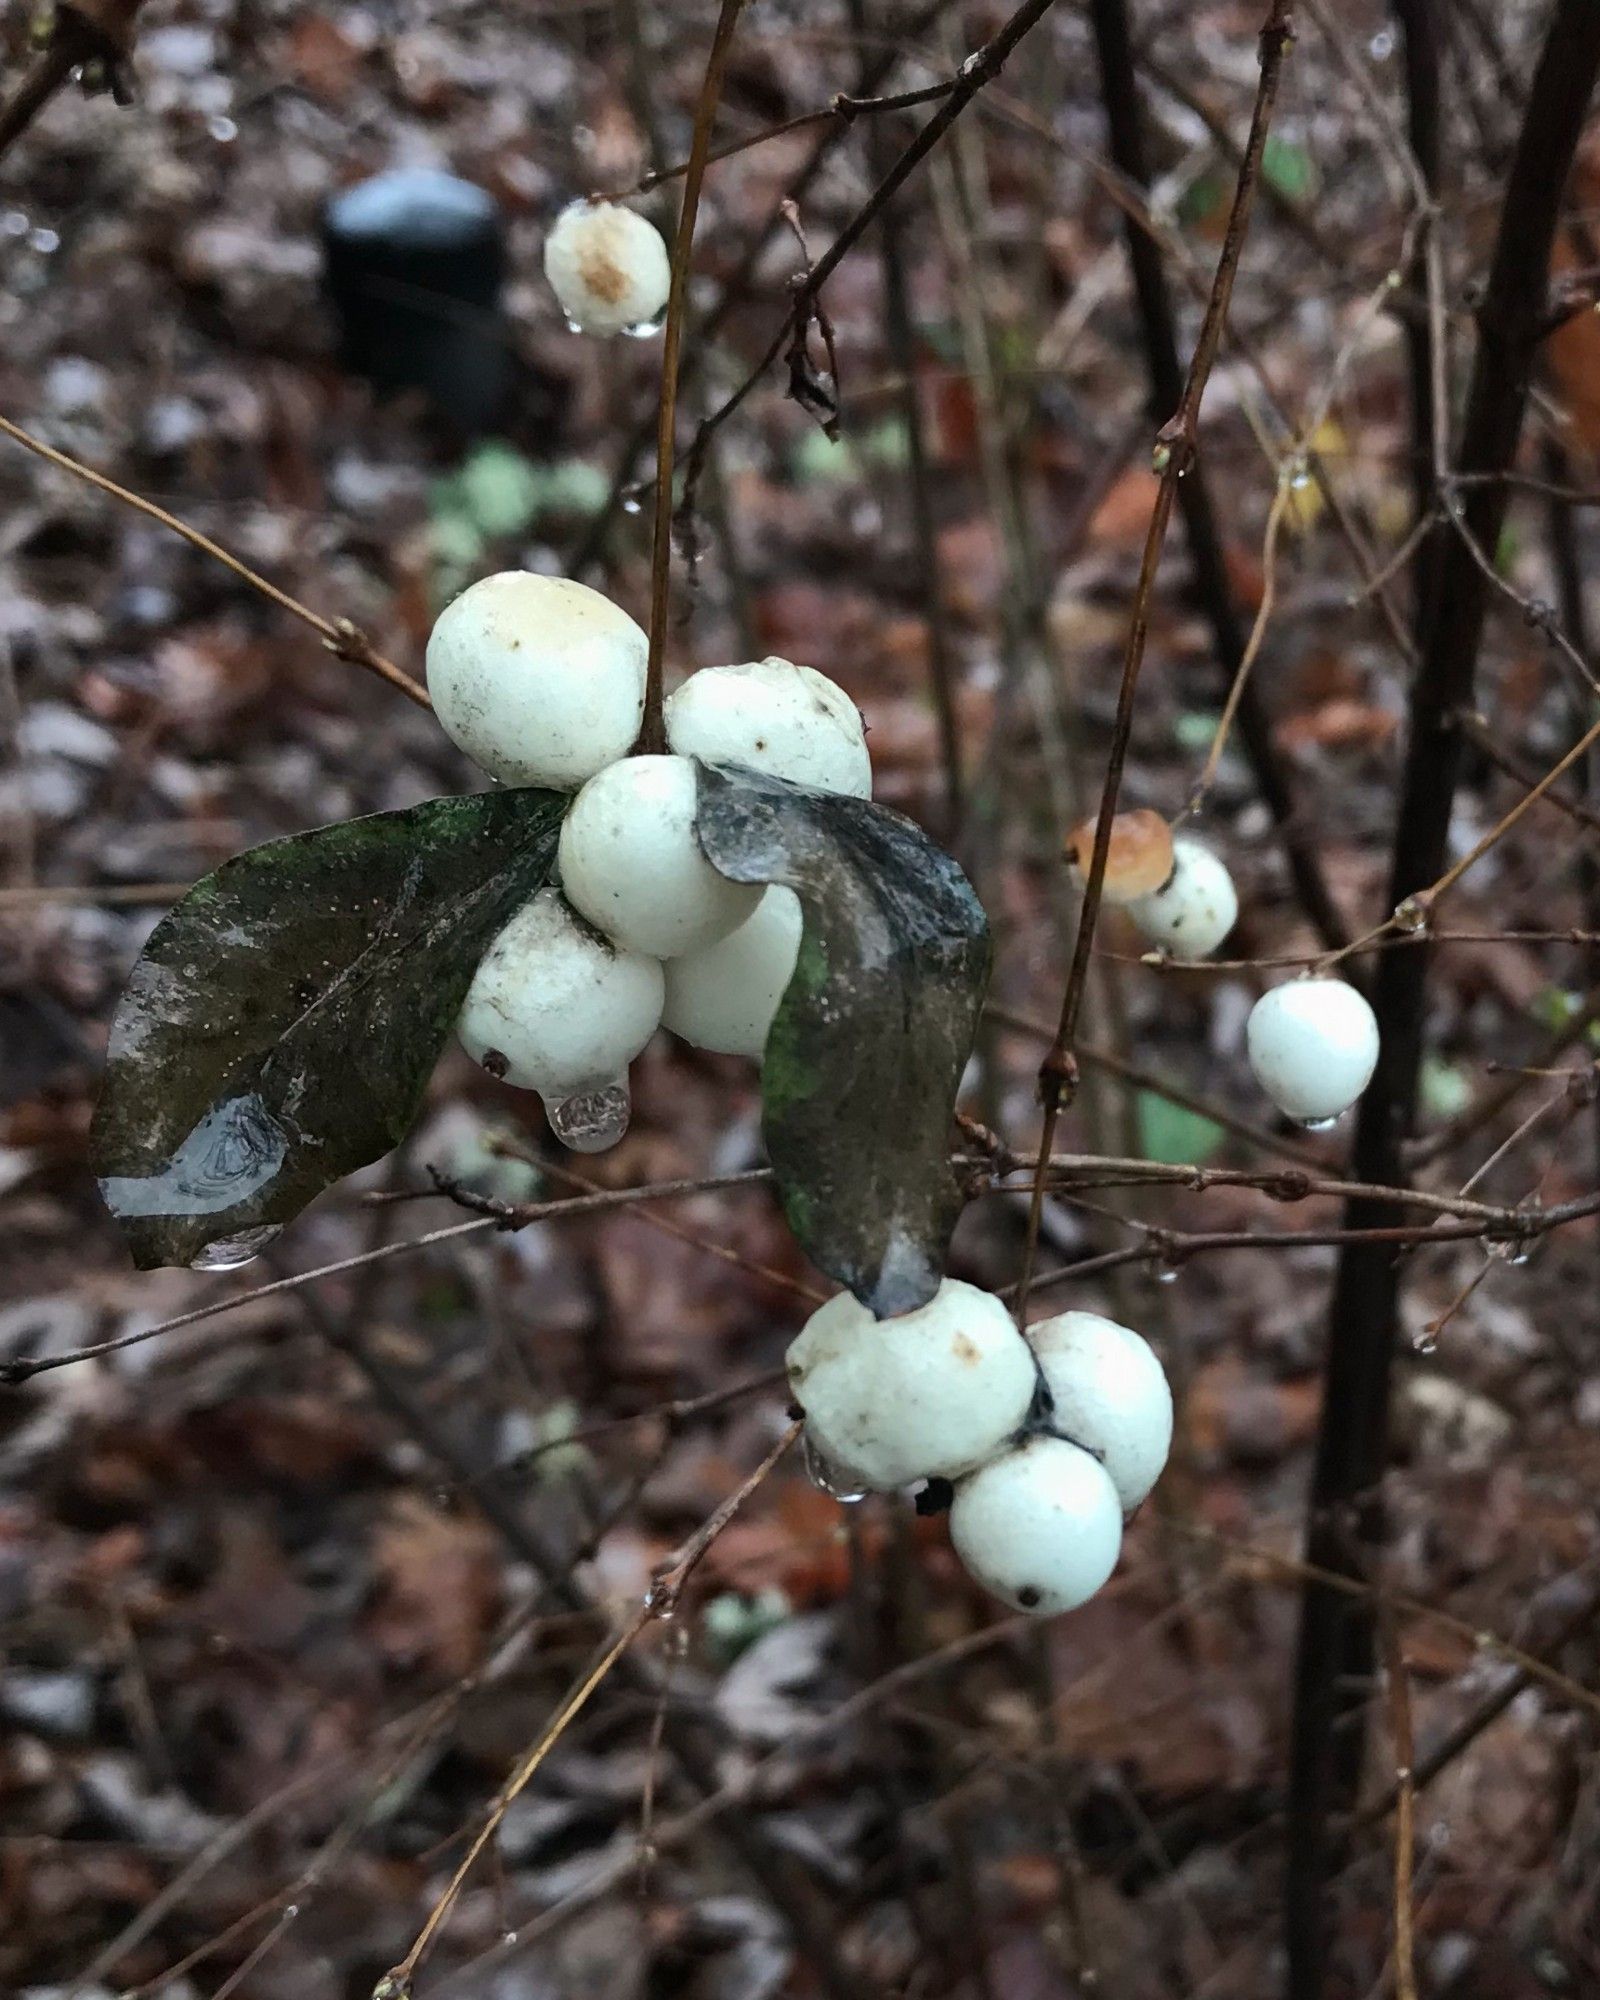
(542,682)
(1312,1042)
(608,267)
(1050,1438)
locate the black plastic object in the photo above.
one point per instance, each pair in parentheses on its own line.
(414,260)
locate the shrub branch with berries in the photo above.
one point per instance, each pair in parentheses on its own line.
(742,889)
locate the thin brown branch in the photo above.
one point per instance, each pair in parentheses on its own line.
(652,734)
(343,639)
(1176,446)
(1397,1680)
(979,69)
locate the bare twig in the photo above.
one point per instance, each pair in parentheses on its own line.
(341,638)
(1176,446)
(1336,1647)
(659,1601)
(652,734)
(1159,329)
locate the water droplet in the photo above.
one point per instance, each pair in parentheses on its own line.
(290,1912)
(223,130)
(591,1121)
(1166,1274)
(647,329)
(1426,1340)
(572,325)
(1381,46)
(1514,1250)
(227,1253)
(508,1937)
(44,241)
(828,1477)
(633,499)
(1411,915)
(1321,1124)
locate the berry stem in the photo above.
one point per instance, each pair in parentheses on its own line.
(652,734)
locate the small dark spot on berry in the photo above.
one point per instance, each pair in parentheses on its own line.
(496,1062)
(935,1497)
(1028,1597)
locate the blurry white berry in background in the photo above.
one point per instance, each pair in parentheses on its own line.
(538,679)
(554,1008)
(928,1394)
(630,861)
(608,267)
(786,720)
(1040,1526)
(1195,908)
(1110,1394)
(1313,1044)
(723,997)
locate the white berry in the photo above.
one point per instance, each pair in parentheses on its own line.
(608,267)
(556,1009)
(723,997)
(1110,1395)
(631,861)
(928,1394)
(786,720)
(539,679)
(1194,909)
(1040,1526)
(1313,1045)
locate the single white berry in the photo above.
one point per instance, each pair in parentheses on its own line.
(539,679)
(608,267)
(786,720)
(1194,909)
(1040,1526)
(631,861)
(931,1393)
(556,1009)
(1110,1395)
(1313,1045)
(723,997)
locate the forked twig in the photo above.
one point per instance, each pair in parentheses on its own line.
(660,1601)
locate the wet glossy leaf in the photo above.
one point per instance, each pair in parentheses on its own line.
(281,1023)
(864,1058)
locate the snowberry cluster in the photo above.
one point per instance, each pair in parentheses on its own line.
(1049,1438)
(1313,1042)
(541,681)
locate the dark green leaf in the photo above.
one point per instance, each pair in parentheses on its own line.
(864,1058)
(281,1023)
